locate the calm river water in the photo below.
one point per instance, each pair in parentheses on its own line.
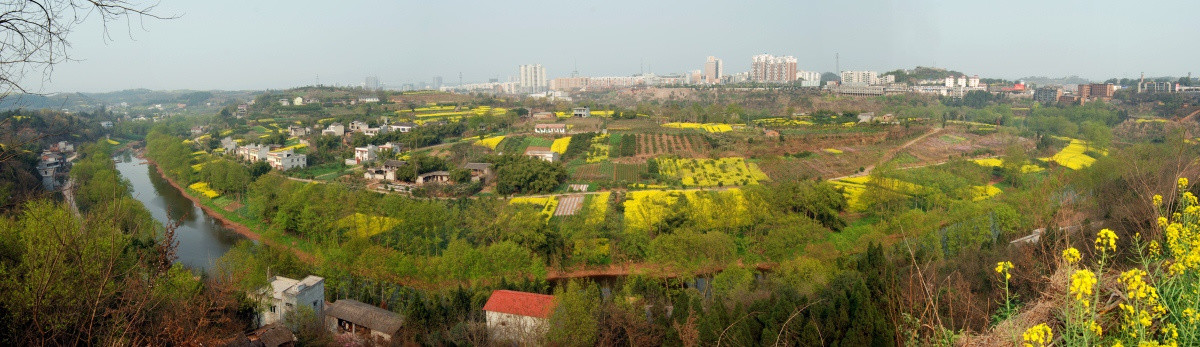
(202,239)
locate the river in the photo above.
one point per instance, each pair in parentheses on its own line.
(201,238)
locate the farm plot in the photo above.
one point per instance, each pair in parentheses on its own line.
(628,172)
(709,127)
(1073,156)
(602,171)
(362,225)
(548,204)
(853,188)
(646,209)
(568,205)
(650,145)
(711,173)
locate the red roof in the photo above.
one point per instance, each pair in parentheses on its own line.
(520,303)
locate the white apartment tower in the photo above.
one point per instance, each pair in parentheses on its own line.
(863,78)
(771,69)
(533,78)
(713,70)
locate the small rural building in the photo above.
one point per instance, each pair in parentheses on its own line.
(518,317)
(543,153)
(387,172)
(403,127)
(552,128)
(866,117)
(106,124)
(581,112)
(253,152)
(336,129)
(544,115)
(286,160)
(357,126)
(285,295)
(297,131)
(434,177)
(478,170)
(353,317)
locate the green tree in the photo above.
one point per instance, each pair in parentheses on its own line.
(574,321)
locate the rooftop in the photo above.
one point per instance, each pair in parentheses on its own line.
(369,316)
(520,303)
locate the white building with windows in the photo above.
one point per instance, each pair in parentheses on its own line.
(285,296)
(865,78)
(809,78)
(533,78)
(286,160)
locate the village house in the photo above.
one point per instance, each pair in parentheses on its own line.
(352,317)
(228,144)
(434,177)
(544,115)
(285,295)
(64,147)
(299,101)
(197,130)
(106,124)
(518,317)
(387,172)
(286,160)
(270,335)
(369,99)
(552,128)
(252,152)
(403,127)
(49,165)
(370,152)
(581,112)
(479,170)
(375,131)
(543,153)
(297,131)
(357,126)
(335,129)
(284,102)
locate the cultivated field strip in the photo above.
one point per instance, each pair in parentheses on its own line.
(569,205)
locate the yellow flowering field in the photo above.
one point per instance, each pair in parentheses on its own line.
(984,192)
(709,127)
(782,122)
(599,149)
(363,225)
(1072,156)
(111,142)
(853,188)
(560,145)
(995,162)
(295,146)
(203,189)
(733,171)
(548,204)
(712,209)
(490,142)
(599,208)
(607,113)
(833,150)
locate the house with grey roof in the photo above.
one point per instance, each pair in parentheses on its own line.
(348,316)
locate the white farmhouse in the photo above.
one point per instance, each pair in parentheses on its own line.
(518,317)
(286,160)
(285,296)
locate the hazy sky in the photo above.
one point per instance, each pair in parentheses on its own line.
(253,44)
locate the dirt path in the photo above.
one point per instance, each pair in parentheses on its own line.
(891,153)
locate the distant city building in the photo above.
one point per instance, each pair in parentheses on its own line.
(865,78)
(1047,95)
(766,68)
(437,82)
(962,81)
(532,78)
(809,78)
(1102,91)
(569,83)
(372,83)
(1156,87)
(713,70)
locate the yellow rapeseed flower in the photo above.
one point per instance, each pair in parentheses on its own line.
(1183,183)
(1157,200)
(1154,248)
(1106,240)
(1003,267)
(1071,255)
(1038,336)
(1082,282)
(1096,329)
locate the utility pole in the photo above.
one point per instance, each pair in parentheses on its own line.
(837,63)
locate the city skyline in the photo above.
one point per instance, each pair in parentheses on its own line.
(228,45)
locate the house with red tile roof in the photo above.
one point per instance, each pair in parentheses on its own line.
(519,317)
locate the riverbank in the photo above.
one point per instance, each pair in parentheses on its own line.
(220,216)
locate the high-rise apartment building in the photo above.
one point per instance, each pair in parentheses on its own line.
(371,83)
(1097,91)
(767,68)
(437,82)
(865,78)
(532,78)
(1047,95)
(713,70)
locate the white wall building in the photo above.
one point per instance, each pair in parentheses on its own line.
(286,160)
(533,78)
(767,68)
(809,78)
(518,317)
(865,78)
(284,296)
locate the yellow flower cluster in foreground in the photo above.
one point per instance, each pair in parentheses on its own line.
(490,142)
(202,188)
(560,145)
(1038,336)
(711,173)
(709,127)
